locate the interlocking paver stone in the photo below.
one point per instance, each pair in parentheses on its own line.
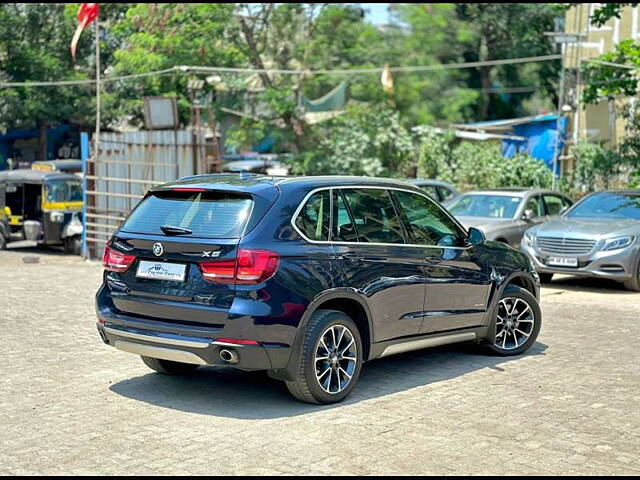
(69,404)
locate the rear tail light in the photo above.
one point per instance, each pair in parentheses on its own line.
(114,261)
(249,268)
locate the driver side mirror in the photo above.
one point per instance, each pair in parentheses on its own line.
(527,216)
(476,236)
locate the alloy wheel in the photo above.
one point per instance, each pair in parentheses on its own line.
(335,359)
(515,322)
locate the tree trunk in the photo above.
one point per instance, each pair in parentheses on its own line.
(43,126)
(485,79)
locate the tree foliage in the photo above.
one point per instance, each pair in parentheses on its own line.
(375,133)
(607,11)
(477,164)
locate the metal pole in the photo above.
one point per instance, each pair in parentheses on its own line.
(84,155)
(97,135)
(556,151)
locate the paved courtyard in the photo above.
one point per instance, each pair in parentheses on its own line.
(71,405)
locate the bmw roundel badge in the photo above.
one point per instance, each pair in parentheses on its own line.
(158,249)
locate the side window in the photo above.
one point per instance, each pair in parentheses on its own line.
(427,222)
(535,205)
(313,219)
(431,191)
(554,204)
(343,228)
(374,215)
(445,193)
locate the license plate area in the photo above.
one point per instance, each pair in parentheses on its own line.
(562,262)
(161,271)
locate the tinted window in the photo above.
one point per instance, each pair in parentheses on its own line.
(313,219)
(445,193)
(608,205)
(374,215)
(554,204)
(206,214)
(431,191)
(428,223)
(343,230)
(535,205)
(481,205)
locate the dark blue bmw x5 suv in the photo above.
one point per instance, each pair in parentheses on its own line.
(306,278)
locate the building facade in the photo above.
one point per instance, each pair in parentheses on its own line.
(601,121)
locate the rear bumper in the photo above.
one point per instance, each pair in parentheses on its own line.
(183,343)
(195,350)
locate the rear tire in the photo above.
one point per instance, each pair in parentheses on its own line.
(168,367)
(328,369)
(516,323)
(3,241)
(546,277)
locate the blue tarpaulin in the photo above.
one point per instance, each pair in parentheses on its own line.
(540,139)
(533,135)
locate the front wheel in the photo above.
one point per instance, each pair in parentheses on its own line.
(168,367)
(330,360)
(634,283)
(3,241)
(516,322)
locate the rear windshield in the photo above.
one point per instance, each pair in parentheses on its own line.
(206,214)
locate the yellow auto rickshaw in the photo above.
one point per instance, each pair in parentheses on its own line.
(42,206)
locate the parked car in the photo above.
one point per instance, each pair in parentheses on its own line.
(267,164)
(439,191)
(504,215)
(598,237)
(307,278)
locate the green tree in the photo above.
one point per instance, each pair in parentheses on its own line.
(155,37)
(34,46)
(606,11)
(509,30)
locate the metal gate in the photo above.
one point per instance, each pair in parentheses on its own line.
(127,165)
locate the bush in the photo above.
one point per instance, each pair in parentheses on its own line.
(361,141)
(475,165)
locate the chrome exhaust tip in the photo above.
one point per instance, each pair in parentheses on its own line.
(229,356)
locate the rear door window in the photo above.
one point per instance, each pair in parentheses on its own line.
(376,220)
(315,217)
(445,193)
(535,205)
(554,204)
(431,191)
(343,228)
(208,214)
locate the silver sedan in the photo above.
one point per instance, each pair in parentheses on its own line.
(598,237)
(504,215)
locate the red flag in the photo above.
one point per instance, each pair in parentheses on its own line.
(87,13)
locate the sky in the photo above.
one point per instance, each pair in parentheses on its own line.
(378,13)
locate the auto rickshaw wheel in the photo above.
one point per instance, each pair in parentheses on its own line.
(73,245)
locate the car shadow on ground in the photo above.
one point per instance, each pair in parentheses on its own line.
(587,284)
(229,393)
